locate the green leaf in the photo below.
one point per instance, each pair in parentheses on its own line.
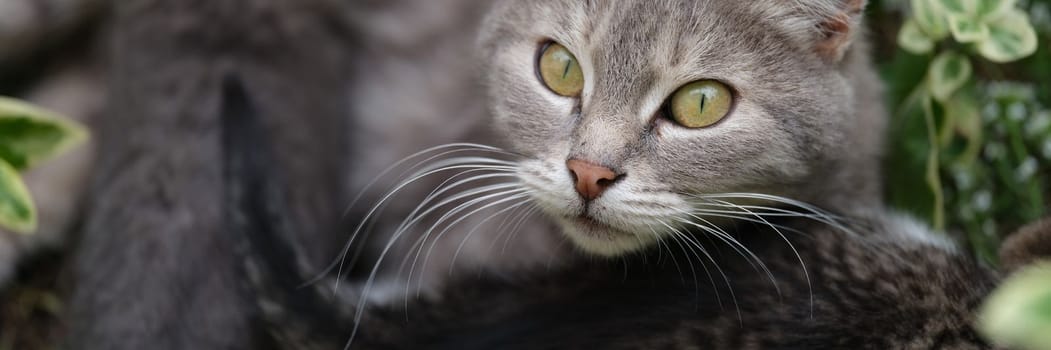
(29,135)
(960,7)
(977,10)
(967,120)
(17,211)
(931,18)
(1011,37)
(993,9)
(912,39)
(1018,314)
(967,30)
(948,72)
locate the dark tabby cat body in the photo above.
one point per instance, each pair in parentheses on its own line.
(876,290)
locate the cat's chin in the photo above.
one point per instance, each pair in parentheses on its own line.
(600,239)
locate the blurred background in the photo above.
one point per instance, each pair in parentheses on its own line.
(975,165)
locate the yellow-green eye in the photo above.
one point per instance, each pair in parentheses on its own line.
(560,70)
(701,104)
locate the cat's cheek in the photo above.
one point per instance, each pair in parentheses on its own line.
(550,189)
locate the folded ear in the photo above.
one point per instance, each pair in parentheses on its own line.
(1027,245)
(827,27)
(838,30)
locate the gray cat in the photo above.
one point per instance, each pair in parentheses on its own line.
(646,140)
(603,148)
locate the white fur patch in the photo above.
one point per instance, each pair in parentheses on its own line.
(909,228)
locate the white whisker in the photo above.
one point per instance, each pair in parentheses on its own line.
(386,249)
(726,279)
(795,251)
(533,209)
(735,245)
(346,248)
(818,213)
(458,209)
(475,229)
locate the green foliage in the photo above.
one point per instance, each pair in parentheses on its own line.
(16,207)
(28,136)
(1018,314)
(994,28)
(971,137)
(968,149)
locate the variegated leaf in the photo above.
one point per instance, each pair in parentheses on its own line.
(17,212)
(29,135)
(966,29)
(931,18)
(1011,37)
(948,73)
(913,40)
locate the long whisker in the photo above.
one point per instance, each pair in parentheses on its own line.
(696,286)
(737,246)
(735,215)
(447,227)
(662,244)
(456,148)
(819,214)
(415,217)
(533,209)
(795,251)
(346,248)
(514,190)
(375,270)
(475,229)
(726,279)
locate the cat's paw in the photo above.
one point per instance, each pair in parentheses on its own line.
(1027,245)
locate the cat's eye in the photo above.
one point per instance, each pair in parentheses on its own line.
(560,70)
(701,104)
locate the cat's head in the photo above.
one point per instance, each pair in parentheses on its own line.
(634,115)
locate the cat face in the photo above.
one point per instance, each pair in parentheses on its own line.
(620,146)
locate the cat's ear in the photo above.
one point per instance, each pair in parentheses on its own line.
(837,32)
(828,27)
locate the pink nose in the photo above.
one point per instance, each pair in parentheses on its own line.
(591,179)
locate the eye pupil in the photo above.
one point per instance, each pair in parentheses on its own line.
(716,99)
(559,71)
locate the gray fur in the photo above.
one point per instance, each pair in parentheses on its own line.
(804,127)
(154,268)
